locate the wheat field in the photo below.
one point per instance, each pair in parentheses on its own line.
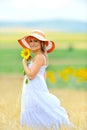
(74,101)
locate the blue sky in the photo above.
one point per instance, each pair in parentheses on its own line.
(29,10)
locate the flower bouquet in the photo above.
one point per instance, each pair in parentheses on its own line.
(25,53)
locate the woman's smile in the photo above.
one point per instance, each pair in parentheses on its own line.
(34,44)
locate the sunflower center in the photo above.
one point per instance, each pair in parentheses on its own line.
(26,53)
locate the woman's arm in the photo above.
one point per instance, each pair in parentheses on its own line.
(37,63)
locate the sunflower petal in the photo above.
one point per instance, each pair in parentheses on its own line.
(25,53)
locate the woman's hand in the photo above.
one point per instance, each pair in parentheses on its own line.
(24,61)
(36,65)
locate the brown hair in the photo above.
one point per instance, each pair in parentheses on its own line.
(43,48)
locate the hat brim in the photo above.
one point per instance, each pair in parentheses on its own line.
(50,45)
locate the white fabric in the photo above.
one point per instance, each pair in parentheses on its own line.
(49,46)
(39,108)
(25,43)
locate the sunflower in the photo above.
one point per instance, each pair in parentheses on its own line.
(25,54)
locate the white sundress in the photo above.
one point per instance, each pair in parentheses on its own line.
(39,108)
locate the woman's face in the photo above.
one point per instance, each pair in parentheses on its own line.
(35,44)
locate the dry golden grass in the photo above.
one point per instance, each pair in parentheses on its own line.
(10,91)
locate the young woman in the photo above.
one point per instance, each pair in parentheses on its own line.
(39,108)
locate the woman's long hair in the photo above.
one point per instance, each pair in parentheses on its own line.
(43,48)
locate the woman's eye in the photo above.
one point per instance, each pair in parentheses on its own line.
(30,41)
(35,41)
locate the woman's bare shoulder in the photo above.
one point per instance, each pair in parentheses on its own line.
(39,58)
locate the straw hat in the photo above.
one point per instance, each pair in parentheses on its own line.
(24,42)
